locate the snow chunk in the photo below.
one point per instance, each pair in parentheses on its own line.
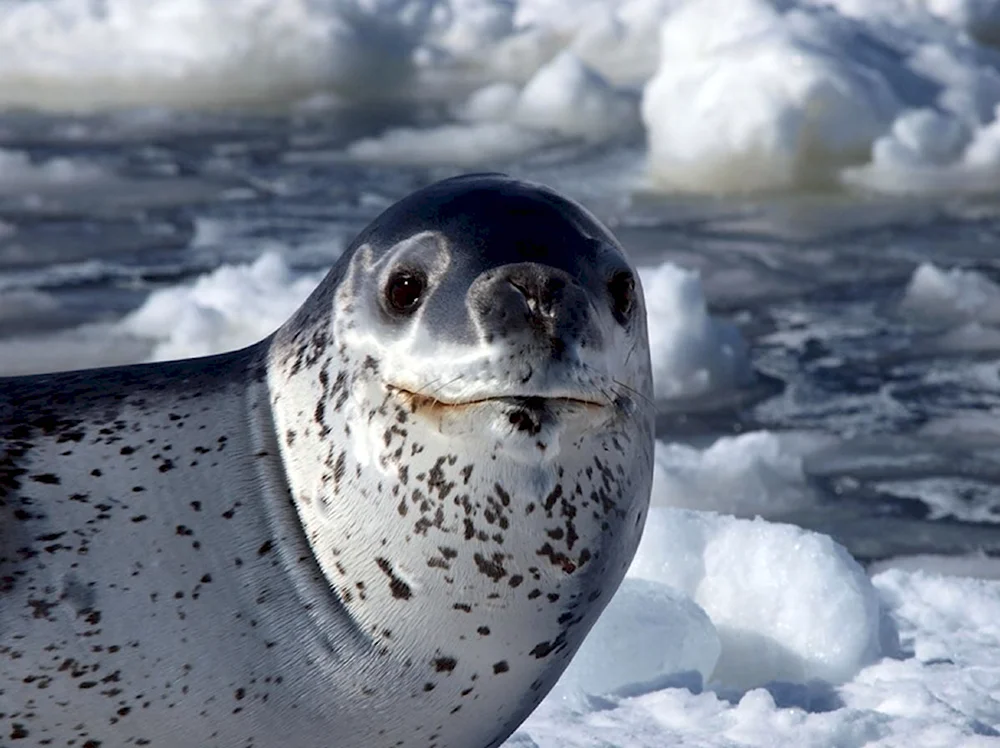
(692,353)
(789,605)
(465,145)
(570,99)
(647,634)
(929,151)
(232,307)
(758,473)
(950,297)
(747,97)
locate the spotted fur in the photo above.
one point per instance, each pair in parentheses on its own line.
(367,530)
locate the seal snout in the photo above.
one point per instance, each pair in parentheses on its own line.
(539,303)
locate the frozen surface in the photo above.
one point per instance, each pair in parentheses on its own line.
(692,352)
(926,674)
(755,474)
(762,585)
(736,95)
(940,297)
(230,308)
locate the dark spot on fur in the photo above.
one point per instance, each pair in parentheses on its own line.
(399,589)
(444,664)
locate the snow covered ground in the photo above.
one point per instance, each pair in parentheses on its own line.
(895,96)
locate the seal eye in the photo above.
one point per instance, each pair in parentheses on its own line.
(405,290)
(622,289)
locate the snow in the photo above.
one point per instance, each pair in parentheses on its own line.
(813,651)
(232,307)
(759,473)
(464,145)
(692,352)
(564,98)
(747,97)
(571,99)
(899,96)
(950,297)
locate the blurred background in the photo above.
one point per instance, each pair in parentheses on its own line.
(810,188)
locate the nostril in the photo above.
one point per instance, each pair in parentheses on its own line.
(527,293)
(554,285)
(551,292)
(521,289)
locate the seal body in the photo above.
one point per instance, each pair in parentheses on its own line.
(389,524)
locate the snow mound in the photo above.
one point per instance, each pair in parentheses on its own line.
(234,306)
(788,605)
(692,353)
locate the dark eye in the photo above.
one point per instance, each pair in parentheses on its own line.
(405,290)
(622,289)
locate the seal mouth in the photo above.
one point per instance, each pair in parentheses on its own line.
(529,403)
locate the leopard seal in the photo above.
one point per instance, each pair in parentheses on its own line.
(391,523)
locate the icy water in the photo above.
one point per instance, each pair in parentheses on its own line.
(96,212)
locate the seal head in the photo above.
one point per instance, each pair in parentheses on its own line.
(463,409)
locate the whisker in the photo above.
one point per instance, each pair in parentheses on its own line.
(422,391)
(448,383)
(634,391)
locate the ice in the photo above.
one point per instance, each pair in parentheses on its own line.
(934,686)
(747,97)
(232,307)
(950,297)
(19,173)
(647,634)
(569,98)
(564,99)
(975,565)
(759,473)
(76,54)
(489,103)
(928,151)
(736,94)
(692,353)
(466,145)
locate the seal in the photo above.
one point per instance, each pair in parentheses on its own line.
(391,523)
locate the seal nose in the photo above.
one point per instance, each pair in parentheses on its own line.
(542,292)
(540,302)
